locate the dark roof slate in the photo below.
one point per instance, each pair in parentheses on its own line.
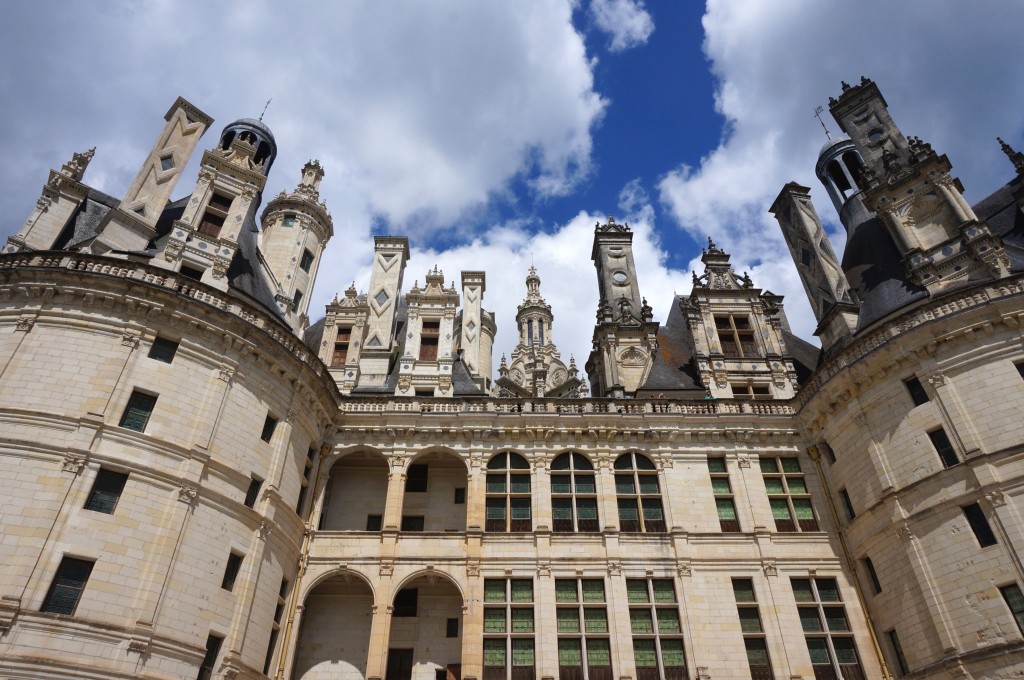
(673,369)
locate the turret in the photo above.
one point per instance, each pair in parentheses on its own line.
(389,258)
(296,228)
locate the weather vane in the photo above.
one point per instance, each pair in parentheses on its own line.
(271,99)
(817,114)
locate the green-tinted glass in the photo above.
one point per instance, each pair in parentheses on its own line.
(1014,598)
(672,654)
(640,621)
(495,508)
(624,484)
(520,483)
(743,589)
(517,462)
(494,652)
(585,484)
(780,509)
(750,620)
(796,485)
(595,620)
(494,620)
(835,618)
(522,620)
(644,653)
(818,649)
(790,464)
(496,483)
(565,590)
(520,508)
(773,485)
(668,621)
(809,620)
(716,465)
(627,510)
(720,485)
(802,508)
(561,508)
(726,508)
(522,590)
(636,590)
(599,652)
(568,621)
(522,652)
(828,589)
(652,509)
(593,590)
(586,508)
(802,590)
(648,484)
(494,590)
(570,653)
(561,484)
(845,652)
(769,465)
(663,590)
(757,652)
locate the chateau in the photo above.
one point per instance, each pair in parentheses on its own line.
(200,482)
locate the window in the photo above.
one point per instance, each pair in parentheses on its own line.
(725,504)
(736,336)
(897,651)
(139,409)
(944,447)
(276,627)
(847,505)
(826,629)
(747,391)
(460,496)
(416,478)
(573,494)
(231,571)
(166,162)
(210,658)
(340,355)
(1015,601)
(788,495)
(412,522)
(163,350)
(269,425)
(106,491)
(194,273)
(916,390)
(307,261)
(428,340)
(979,525)
(753,632)
(296,299)
(307,474)
(508,493)
(508,629)
(288,221)
(68,584)
(869,567)
(405,603)
(451,628)
(638,495)
(657,632)
(253,492)
(216,213)
(374,522)
(829,452)
(584,651)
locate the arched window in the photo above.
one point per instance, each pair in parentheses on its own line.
(508,493)
(573,494)
(636,487)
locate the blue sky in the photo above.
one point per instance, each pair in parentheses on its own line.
(496,133)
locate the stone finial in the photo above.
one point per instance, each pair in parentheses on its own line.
(1016,157)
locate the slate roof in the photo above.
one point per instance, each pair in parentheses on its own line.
(673,370)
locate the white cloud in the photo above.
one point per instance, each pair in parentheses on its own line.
(626,21)
(952,75)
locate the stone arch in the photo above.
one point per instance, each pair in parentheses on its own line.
(334,634)
(355,491)
(425,634)
(435,493)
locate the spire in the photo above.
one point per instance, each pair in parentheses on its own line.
(1016,157)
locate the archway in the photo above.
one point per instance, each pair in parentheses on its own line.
(334,637)
(355,494)
(435,493)
(425,642)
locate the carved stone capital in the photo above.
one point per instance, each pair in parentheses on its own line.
(995,498)
(472,568)
(614,569)
(73,462)
(904,533)
(187,494)
(743,461)
(25,323)
(129,338)
(769,568)
(684,569)
(543,569)
(263,530)
(387,568)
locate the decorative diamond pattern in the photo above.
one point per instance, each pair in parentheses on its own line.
(381,298)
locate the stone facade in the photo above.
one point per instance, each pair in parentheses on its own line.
(198,483)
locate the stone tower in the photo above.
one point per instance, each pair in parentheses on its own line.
(475,329)
(389,258)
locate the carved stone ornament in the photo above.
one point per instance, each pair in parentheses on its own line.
(129,338)
(387,568)
(187,494)
(24,323)
(220,268)
(544,569)
(743,461)
(995,498)
(937,380)
(614,569)
(684,569)
(702,673)
(769,568)
(73,462)
(473,568)
(904,533)
(225,373)
(263,530)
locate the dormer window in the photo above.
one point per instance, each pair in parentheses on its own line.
(736,336)
(216,213)
(428,340)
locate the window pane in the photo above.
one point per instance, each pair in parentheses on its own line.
(644,463)
(636,590)
(570,653)
(790,465)
(560,484)
(802,507)
(598,652)
(627,510)
(757,652)
(494,590)
(522,590)
(818,650)
(750,621)
(495,508)
(809,619)
(522,652)
(581,463)
(644,653)
(593,590)
(568,621)
(716,464)
(494,620)
(561,462)
(780,509)
(496,483)
(720,486)
(664,591)
(640,621)
(494,652)
(595,620)
(586,508)
(517,462)
(522,620)
(520,483)
(802,590)
(769,465)
(828,590)
(668,621)
(585,484)
(520,508)
(796,485)
(672,654)
(624,484)
(565,590)
(652,509)
(773,485)
(726,508)
(561,508)
(845,652)
(835,618)
(743,589)
(648,484)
